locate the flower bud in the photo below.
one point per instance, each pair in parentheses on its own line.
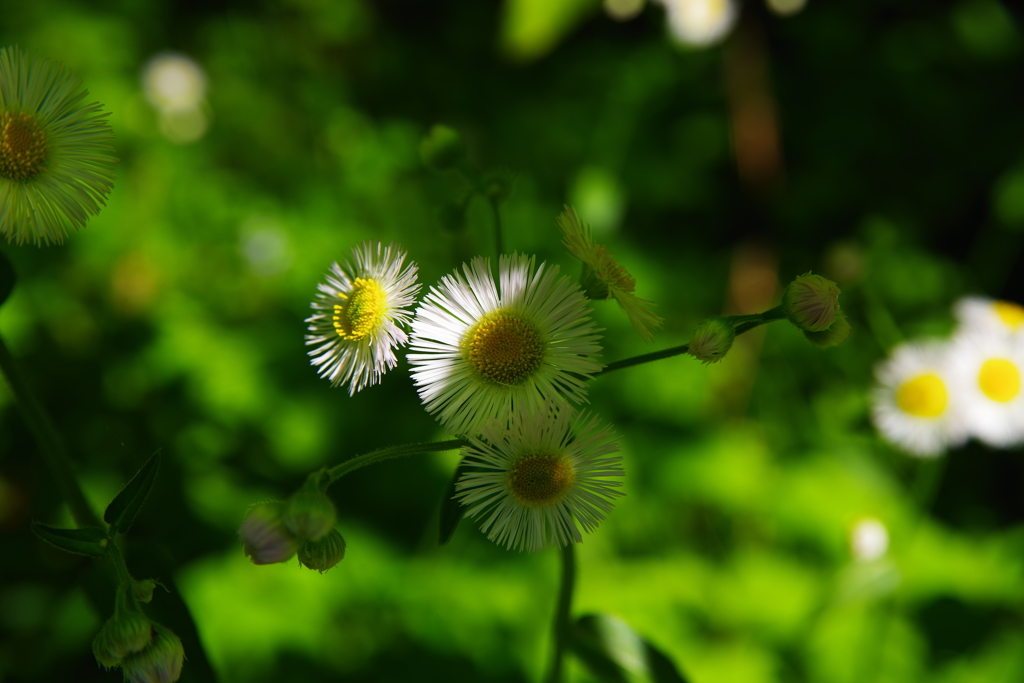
(159,663)
(121,635)
(310,516)
(142,591)
(442,148)
(265,538)
(323,554)
(811,302)
(834,335)
(711,340)
(498,186)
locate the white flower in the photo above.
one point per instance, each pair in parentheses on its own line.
(700,22)
(479,351)
(359,315)
(914,405)
(533,477)
(981,315)
(986,370)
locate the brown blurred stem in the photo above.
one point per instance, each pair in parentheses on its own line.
(50,445)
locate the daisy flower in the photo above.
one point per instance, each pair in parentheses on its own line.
(55,153)
(979,314)
(986,371)
(359,314)
(914,404)
(603,277)
(536,474)
(480,350)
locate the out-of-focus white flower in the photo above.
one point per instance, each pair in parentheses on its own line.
(982,315)
(869,540)
(700,22)
(914,405)
(176,86)
(986,369)
(173,82)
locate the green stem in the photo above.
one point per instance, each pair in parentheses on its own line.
(645,358)
(50,446)
(498,246)
(742,323)
(562,610)
(335,473)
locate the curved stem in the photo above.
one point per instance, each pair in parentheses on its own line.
(335,473)
(562,611)
(50,446)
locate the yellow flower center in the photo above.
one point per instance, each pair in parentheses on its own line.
(999,379)
(22,146)
(922,396)
(504,347)
(362,311)
(541,479)
(1011,314)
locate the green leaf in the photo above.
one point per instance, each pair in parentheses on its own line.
(6,277)
(451,509)
(614,652)
(86,541)
(122,510)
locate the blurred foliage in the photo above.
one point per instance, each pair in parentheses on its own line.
(174,322)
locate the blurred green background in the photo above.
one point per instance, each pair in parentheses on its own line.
(879,143)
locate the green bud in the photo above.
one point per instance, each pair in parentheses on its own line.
(711,340)
(442,149)
(323,554)
(834,335)
(498,186)
(121,635)
(264,536)
(811,302)
(310,516)
(142,591)
(159,663)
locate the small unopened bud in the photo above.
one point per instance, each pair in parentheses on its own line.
(323,554)
(122,635)
(310,516)
(711,340)
(142,591)
(834,335)
(442,149)
(264,536)
(811,302)
(498,186)
(159,663)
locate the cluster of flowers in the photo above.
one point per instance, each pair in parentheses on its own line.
(500,362)
(933,395)
(503,363)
